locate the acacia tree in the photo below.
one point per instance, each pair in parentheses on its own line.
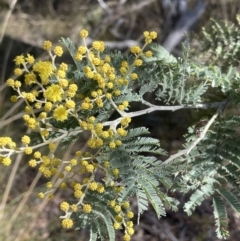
(64,101)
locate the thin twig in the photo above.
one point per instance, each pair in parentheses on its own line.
(6,19)
(201,136)
(104,6)
(23,201)
(10,182)
(5,62)
(22,233)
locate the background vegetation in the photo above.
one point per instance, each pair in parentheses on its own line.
(24,25)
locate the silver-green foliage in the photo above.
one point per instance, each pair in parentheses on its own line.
(209,169)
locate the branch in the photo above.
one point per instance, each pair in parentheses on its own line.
(184,24)
(201,136)
(6,19)
(165,108)
(177,107)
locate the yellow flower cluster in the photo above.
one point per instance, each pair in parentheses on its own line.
(57,98)
(122,218)
(20,60)
(7,142)
(149,36)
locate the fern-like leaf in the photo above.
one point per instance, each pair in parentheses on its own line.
(105,217)
(197,197)
(220,215)
(231,198)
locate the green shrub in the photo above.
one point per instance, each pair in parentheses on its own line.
(65,101)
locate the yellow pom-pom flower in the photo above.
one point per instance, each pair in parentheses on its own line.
(148,54)
(41,195)
(37,154)
(68,168)
(112,203)
(153,34)
(53,93)
(67,223)
(77,186)
(73,87)
(119,218)
(48,106)
(126,204)
(74,207)
(26,139)
(121,107)
(60,73)
(32,163)
(124,64)
(70,104)
(117,209)
(134,76)
(115,172)
(60,113)
(52,146)
(87,208)
(63,67)
(112,145)
(43,115)
(30,78)
(30,59)
(28,150)
(49,185)
(100,188)
(130,214)
(138,62)
(117,225)
(129,224)
(73,162)
(10,82)
(83,33)
(130,231)
(108,96)
(14,98)
(19,60)
(64,206)
(45,69)
(58,51)
(47,45)
(38,105)
(78,57)
(117,92)
(82,50)
(107,58)
(98,45)
(135,49)
(90,168)
(18,71)
(63,83)
(93,186)
(126,237)
(6,161)
(78,194)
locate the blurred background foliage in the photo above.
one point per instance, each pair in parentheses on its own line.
(24,25)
